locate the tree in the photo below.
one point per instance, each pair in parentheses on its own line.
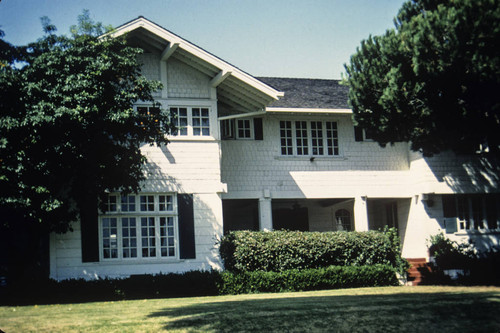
(434,80)
(68,128)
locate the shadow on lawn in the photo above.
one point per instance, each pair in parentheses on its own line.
(414,312)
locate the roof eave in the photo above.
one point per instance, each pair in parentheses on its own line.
(173,39)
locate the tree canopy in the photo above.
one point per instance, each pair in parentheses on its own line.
(434,80)
(68,128)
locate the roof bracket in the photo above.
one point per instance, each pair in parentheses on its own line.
(169,50)
(221,76)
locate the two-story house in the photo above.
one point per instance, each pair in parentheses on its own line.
(262,154)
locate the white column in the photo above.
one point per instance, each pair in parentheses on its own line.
(360,214)
(265,214)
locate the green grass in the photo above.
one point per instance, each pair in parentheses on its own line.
(384,309)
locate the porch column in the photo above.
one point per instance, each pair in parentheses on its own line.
(265,214)
(360,214)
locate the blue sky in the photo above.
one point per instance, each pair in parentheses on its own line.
(284,38)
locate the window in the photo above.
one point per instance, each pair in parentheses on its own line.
(472,211)
(318,138)
(191,121)
(241,129)
(244,129)
(361,134)
(141,226)
(343,218)
(149,114)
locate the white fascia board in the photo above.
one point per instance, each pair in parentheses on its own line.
(308,110)
(141,22)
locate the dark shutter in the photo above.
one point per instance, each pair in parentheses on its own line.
(257,129)
(89,231)
(449,213)
(449,205)
(358,133)
(186,226)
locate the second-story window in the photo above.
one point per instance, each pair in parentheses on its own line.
(191,121)
(317,138)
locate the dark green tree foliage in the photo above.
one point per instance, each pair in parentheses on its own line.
(68,129)
(434,80)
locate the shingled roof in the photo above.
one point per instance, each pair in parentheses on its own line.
(308,93)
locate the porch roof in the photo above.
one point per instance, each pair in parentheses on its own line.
(303,93)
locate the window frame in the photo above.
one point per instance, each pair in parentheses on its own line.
(468,208)
(188,130)
(170,216)
(309,138)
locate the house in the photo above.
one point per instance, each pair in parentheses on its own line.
(267,153)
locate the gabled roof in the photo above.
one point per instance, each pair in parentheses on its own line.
(235,88)
(309,93)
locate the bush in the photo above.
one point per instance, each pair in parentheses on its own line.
(193,283)
(308,279)
(478,268)
(450,254)
(278,251)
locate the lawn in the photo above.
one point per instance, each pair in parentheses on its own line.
(384,309)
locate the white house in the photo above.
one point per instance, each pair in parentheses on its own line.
(262,154)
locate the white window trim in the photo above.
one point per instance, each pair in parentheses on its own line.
(237,129)
(118,214)
(190,127)
(309,140)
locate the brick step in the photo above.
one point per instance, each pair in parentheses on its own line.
(414,274)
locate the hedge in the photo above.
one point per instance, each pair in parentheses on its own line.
(195,283)
(278,251)
(192,283)
(332,277)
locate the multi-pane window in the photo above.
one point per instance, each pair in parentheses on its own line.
(472,211)
(244,130)
(191,121)
(109,237)
(286,138)
(318,138)
(301,138)
(201,122)
(110,203)
(141,226)
(180,120)
(147,203)
(332,138)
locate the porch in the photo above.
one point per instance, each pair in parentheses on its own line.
(332,214)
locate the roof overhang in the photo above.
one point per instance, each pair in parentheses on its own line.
(236,89)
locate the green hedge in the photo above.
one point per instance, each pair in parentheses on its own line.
(308,279)
(192,283)
(277,251)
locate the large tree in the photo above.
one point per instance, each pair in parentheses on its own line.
(434,80)
(68,128)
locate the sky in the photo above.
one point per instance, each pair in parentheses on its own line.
(280,38)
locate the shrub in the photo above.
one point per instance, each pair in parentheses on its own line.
(450,254)
(479,268)
(192,283)
(278,251)
(307,279)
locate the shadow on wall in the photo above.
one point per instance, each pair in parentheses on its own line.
(208,227)
(466,173)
